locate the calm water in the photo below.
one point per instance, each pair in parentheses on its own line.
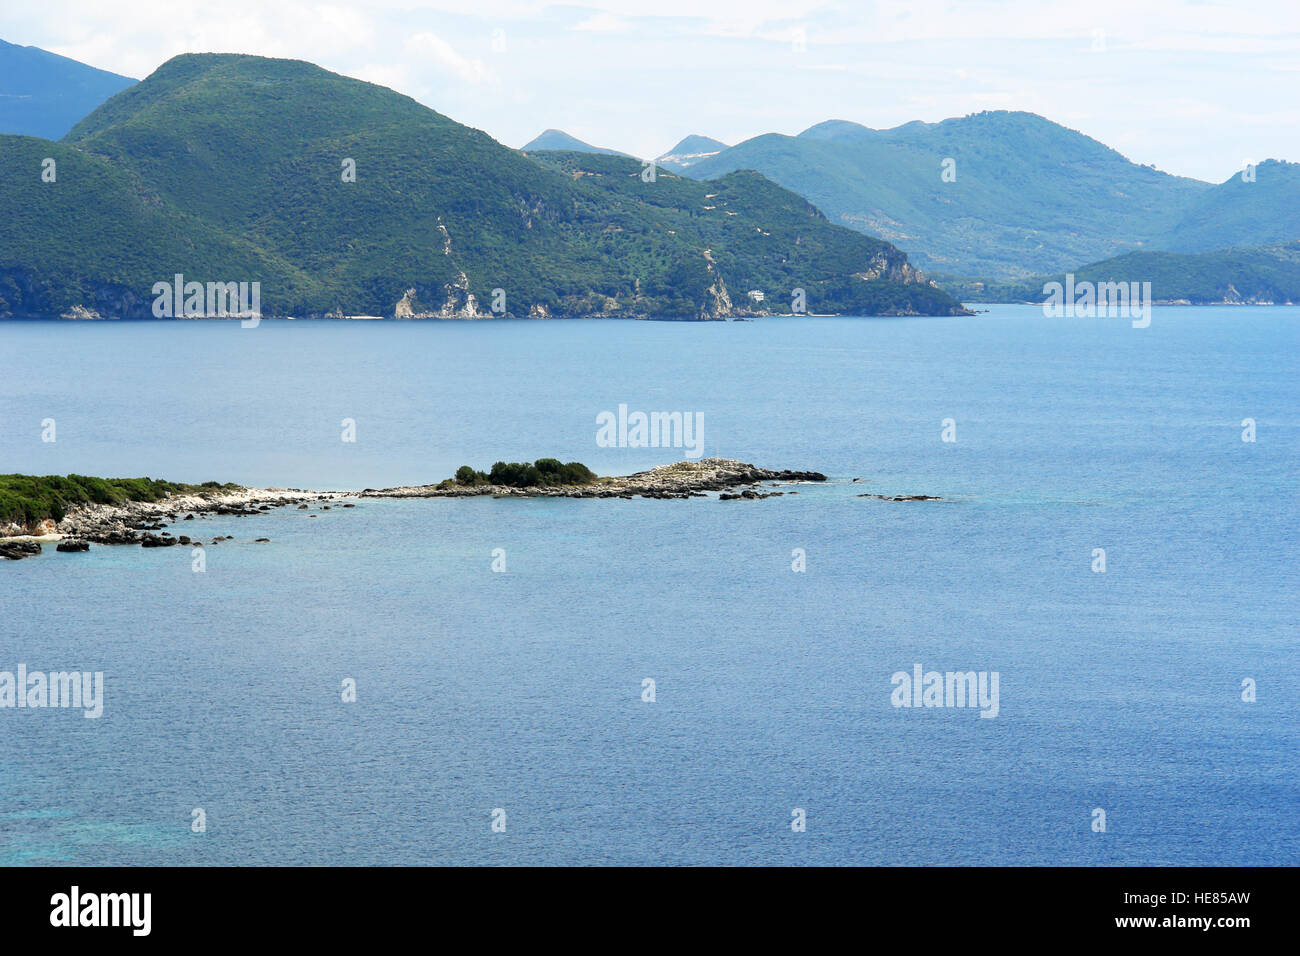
(522,690)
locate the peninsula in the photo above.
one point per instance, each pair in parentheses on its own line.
(76,511)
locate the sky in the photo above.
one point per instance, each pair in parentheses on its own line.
(1194,87)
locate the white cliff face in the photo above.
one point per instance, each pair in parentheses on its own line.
(404,309)
(721,300)
(458,302)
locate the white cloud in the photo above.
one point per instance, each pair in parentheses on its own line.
(428,47)
(637,76)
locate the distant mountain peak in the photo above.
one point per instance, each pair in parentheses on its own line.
(691,150)
(558,139)
(835,129)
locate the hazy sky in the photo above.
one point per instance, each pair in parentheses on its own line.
(1195,87)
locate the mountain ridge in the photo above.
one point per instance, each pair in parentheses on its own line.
(340,197)
(996,193)
(44,94)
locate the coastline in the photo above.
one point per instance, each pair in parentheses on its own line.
(136,522)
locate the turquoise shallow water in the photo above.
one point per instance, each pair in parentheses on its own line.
(522,690)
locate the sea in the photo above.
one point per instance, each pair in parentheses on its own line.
(681,682)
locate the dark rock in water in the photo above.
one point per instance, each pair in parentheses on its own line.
(216,540)
(72,544)
(263,539)
(903,497)
(727,497)
(799,476)
(183,539)
(325,508)
(189,517)
(153,541)
(349,506)
(302,507)
(119,537)
(17,550)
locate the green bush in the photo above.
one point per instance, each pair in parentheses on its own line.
(543,473)
(29,499)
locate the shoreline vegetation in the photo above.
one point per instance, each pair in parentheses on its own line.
(76,510)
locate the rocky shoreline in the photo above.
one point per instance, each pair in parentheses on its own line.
(136,522)
(683,479)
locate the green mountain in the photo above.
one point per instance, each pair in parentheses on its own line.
(44,94)
(1267,275)
(1023,195)
(235,168)
(1261,211)
(689,152)
(558,139)
(746,235)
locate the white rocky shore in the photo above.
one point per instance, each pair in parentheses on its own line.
(136,522)
(683,479)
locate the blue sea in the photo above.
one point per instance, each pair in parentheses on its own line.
(521,690)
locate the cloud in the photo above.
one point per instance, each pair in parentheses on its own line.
(639,76)
(443,54)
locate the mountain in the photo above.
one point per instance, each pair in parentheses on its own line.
(558,139)
(1026,196)
(44,94)
(1264,275)
(228,168)
(691,150)
(1240,212)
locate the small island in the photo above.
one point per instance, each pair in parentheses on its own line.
(546,477)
